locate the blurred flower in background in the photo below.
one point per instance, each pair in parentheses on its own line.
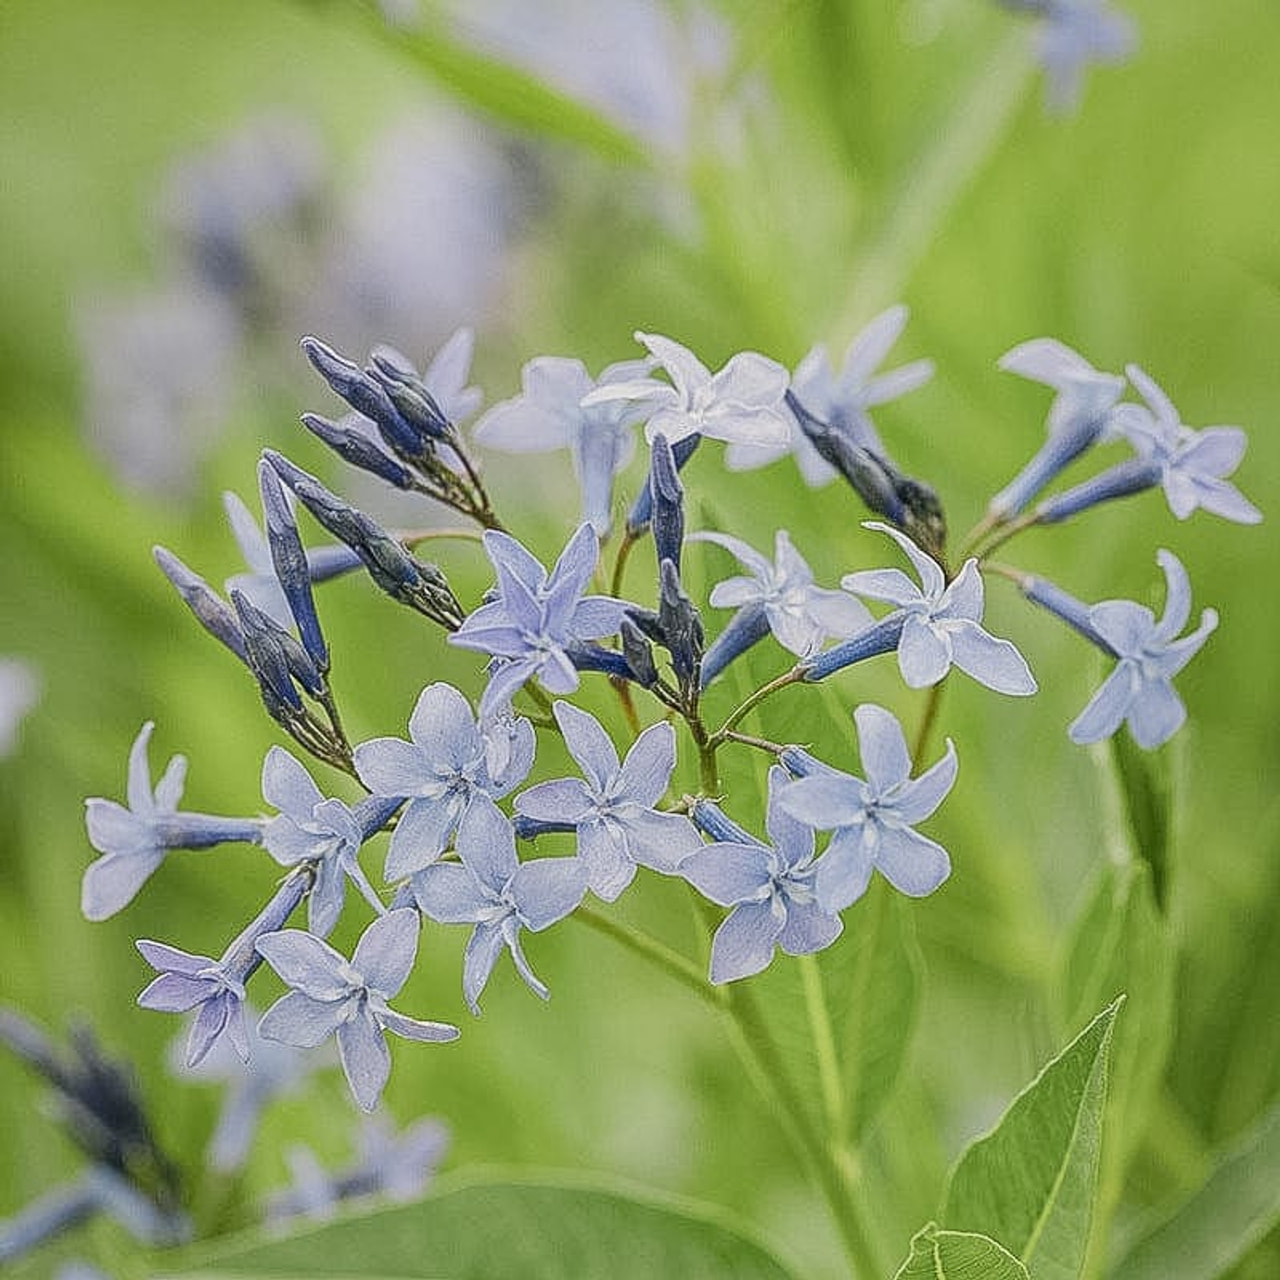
(19,692)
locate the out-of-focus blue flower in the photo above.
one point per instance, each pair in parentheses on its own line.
(549,414)
(841,400)
(325,834)
(215,989)
(1082,414)
(783,596)
(537,618)
(1150,654)
(872,820)
(941,622)
(498,894)
(613,810)
(19,692)
(1192,463)
(330,995)
(742,402)
(133,841)
(444,766)
(771,891)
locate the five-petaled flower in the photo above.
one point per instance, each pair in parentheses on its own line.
(613,809)
(742,403)
(331,995)
(769,887)
(537,619)
(448,761)
(871,820)
(941,622)
(494,891)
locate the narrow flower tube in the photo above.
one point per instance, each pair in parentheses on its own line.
(1116,482)
(880,637)
(359,450)
(292,569)
(642,510)
(747,627)
(210,610)
(1057,452)
(667,495)
(1062,604)
(712,821)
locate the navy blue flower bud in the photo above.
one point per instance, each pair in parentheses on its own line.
(642,510)
(293,571)
(594,657)
(681,626)
(666,494)
(267,658)
(527,828)
(415,404)
(1116,482)
(210,610)
(639,654)
(799,763)
(357,449)
(881,637)
(747,627)
(712,821)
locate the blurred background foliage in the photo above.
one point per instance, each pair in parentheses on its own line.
(760,175)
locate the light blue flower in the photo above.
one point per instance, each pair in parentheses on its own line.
(1150,654)
(330,995)
(498,894)
(215,989)
(1192,463)
(941,622)
(741,403)
(872,820)
(134,840)
(536,619)
(325,834)
(781,596)
(771,891)
(549,414)
(613,810)
(1082,414)
(841,400)
(444,766)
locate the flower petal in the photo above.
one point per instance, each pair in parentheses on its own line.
(1107,708)
(366,1060)
(386,951)
(482,952)
(991,661)
(728,873)
(560,800)
(305,963)
(487,844)
(298,1019)
(646,772)
(890,585)
(443,725)
(659,841)
(417,1029)
(886,759)
(422,834)
(808,928)
(919,799)
(287,786)
(924,652)
(844,870)
(744,943)
(547,890)
(449,894)
(911,863)
(605,858)
(589,745)
(111,882)
(1155,714)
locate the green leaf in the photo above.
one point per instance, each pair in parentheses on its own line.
(1146,792)
(1213,1230)
(958,1255)
(480,1230)
(513,96)
(1031,1182)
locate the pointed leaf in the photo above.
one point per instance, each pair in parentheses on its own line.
(958,1255)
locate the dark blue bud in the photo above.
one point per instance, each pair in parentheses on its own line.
(642,511)
(527,828)
(594,657)
(1116,482)
(681,625)
(210,610)
(712,821)
(799,763)
(414,403)
(266,656)
(356,448)
(880,637)
(1063,605)
(639,654)
(666,495)
(748,626)
(293,571)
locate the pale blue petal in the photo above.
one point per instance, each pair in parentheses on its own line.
(298,1019)
(911,863)
(1220,498)
(932,580)
(749,426)
(809,928)
(172,781)
(417,1029)
(991,661)
(792,838)
(287,842)
(1046,360)
(487,844)
(729,873)
(176,992)
(886,759)
(366,1060)
(386,951)
(511,936)
(305,963)
(328,896)
(924,653)
(505,682)
(1107,708)
(890,585)
(1180,652)
(215,1017)
(422,834)
(446,375)
(116,830)
(589,745)
(963,599)
(1153,394)
(509,746)
(1155,714)
(595,616)
(744,943)
(1177,601)
(111,882)
(897,382)
(138,785)
(659,841)
(646,772)
(837,613)
(560,800)
(547,890)
(503,550)
(1124,625)
(166,959)
(605,857)
(520,426)
(556,673)
(871,346)
(287,786)
(572,571)
(733,593)
(919,799)
(844,870)
(825,800)
(393,767)
(482,952)
(687,372)
(449,894)
(754,381)
(743,552)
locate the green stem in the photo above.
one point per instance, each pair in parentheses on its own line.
(629,540)
(824,1042)
(932,702)
(794,676)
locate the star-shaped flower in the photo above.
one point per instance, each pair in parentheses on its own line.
(769,887)
(1075,33)
(323,833)
(498,894)
(1150,654)
(782,596)
(941,622)
(842,399)
(549,414)
(331,995)
(1193,463)
(872,820)
(613,809)
(741,403)
(536,619)
(446,763)
(134,840)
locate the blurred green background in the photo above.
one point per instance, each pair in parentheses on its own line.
(780,173)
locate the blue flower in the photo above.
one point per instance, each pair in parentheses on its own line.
(779,597)
(1150,654)
(1081,415)
(741,403)
(536,619)
(940,622)
(1192,463)
(771,891)
(1072,34)
(841,400)
(331,995)
(871,820)
(549,414)
(134,841)
(325,834)
(447,764)
(215,989)
(498,894)
(613,810)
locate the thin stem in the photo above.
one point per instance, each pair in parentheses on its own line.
(824,1042)
(629,540)
(794,676)
(928,720)
(1010,530)
(760,744)
(415,536)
